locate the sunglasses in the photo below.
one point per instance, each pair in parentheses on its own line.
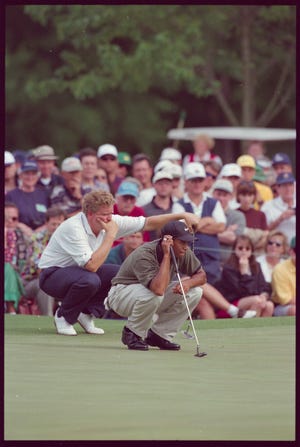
(208,174)
(243,248)
(108,158)
(278,244)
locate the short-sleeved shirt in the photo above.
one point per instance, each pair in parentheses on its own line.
(273,209)
(74,242)
(143,264)
(284,282)
(255,218)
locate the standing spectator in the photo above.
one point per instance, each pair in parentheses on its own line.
(275,249)
(233,173)
(242,282)
(142,170)
(171,154)
(212,170)
(203,145)
(89,163)
(31,201)
(281,211)
(68,196)
(284,284)
(212,222)
(10,175)
(45,159)
(124,160)
(108,160)
(281,163)
(235,220)
(125,204)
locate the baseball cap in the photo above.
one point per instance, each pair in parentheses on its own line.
(71,164)
(107,149)
(231,169)
(176,170)
(124,158)
(163,165)
(163,174)
(223,185)
(281,158)
(29,166)
(128,189)
(246,161)
(285,177)
(9,159)
(44,153)
(170,153)
(194,170)
(259,175)
(178,230)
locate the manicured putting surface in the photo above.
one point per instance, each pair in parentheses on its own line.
(93,388)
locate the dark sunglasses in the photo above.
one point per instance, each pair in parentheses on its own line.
(208,174)
(278,244)
(108,158)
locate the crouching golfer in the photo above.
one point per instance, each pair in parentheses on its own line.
(72,265)
(144,287)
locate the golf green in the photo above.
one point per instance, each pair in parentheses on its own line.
(93,388)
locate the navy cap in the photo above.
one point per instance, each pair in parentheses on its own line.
(178,230)
(281,158)
(29,166)
(285,177)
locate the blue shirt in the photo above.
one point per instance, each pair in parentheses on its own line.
(32,206)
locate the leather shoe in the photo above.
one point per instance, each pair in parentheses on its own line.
(133,341)
(155,340)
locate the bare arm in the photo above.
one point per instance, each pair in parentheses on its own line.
(157,222)
(161,280)
(99,255)
(208,225)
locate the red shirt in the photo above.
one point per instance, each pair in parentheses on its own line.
(136,212)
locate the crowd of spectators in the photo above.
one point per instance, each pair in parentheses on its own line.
(246,241)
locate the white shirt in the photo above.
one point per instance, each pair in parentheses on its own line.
(218,213)
(273,209)
(73,242)
(266,268)
(145,196)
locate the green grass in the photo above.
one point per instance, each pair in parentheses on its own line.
(94,388)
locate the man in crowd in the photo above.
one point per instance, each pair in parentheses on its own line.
(108,160)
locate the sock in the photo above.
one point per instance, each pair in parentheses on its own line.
(233,311)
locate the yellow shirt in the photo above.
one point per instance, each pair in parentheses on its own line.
(284,282)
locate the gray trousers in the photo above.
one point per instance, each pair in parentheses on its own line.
(139,305)
(45,302)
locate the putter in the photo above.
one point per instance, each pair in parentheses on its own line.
(198,353)
(186,333)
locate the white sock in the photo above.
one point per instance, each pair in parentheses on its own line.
(233,311)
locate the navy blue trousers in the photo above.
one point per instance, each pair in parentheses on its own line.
(78,289)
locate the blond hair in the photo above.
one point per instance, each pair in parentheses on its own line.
(210,142)
(93,200)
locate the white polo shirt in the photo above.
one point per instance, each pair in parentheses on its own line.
(273,209)
(73,242)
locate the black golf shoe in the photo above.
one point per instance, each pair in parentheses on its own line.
(133,341)
(155,340)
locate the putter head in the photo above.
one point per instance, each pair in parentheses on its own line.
(187,335)
(200,354)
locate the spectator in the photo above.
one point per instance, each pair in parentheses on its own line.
(281,163)
(203,145)
(242,281)
(69,196)
(124,160)
(30,275)
(235,220)
(233,173)
(101,176)
(31,201)
(125,205)
(10,175)
(72,263)
(89,163)
(284,284)
(108,160)
(281,211)
(118,254)
(142,170)
(45,159)
(248,166)
(143,287)
(171,154)
(212,222)
(275,249)
(212,170)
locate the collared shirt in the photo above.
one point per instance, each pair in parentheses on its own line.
(218,213)
(273,209)
(284,282)
(74,242)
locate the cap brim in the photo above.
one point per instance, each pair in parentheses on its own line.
(187,238)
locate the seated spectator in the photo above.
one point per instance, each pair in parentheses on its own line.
(281,211)
(31,201)
(107,155)
(124,160)
(242,282)
(45,159)
(10,174)
(89,163)
(235,220)
(142,170)
(275,249)
(129,243)
(68,196)
(30,275)
(203,145)
(233,173)
(284,284)
(125,205)
(171,154)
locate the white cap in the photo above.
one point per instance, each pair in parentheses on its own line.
(107,149)
(163,174)
(223,185)
(176,170)
(71,164)
(9,159)
(169,153)
(194,170)
(163,164)
(230,169)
